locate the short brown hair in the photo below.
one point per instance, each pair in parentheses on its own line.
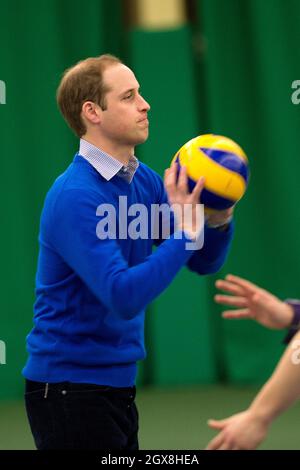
(80,83)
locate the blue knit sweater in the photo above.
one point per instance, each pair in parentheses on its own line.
(91,294)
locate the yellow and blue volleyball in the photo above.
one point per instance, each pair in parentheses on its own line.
(224,165)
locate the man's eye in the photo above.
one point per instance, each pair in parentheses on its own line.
(127,97)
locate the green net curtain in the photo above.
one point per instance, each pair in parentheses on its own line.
(250,60)
(179,336)
(38,40)
(229,73)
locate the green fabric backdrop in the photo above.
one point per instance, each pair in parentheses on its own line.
(179,333)
(230,73)
(38,40)
(250,62)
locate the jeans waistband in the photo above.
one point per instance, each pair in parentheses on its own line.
(31,386)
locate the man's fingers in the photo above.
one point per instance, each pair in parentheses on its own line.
(217,423)
(198,189)
(216,442)
(239,281)
(182,181)
(240,314)
(171,173)
(229,287)
(170,179)
(231,300)
(225,446)
(179,186)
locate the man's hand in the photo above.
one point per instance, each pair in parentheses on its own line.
(216,218)
(242,431)
(253,302)
(185,205)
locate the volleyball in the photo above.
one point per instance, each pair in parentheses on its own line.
(224,165)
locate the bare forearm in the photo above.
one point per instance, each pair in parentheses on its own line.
(283,387)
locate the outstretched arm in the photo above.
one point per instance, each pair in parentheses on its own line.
(246,430)
(253,302)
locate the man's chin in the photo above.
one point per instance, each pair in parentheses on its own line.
(143,138)
(138,139)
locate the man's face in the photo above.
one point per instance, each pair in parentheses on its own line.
(125,119)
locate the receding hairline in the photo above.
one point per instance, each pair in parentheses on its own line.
(104,63)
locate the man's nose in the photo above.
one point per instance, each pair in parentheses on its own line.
(144,105)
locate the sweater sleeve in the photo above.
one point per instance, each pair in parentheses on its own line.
(212,256)
(100,263)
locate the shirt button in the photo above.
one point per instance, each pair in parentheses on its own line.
(64,392)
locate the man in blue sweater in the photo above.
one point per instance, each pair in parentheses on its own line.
(93,280)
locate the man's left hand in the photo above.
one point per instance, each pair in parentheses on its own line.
(214,218)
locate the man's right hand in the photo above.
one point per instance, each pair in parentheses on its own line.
(253,302)
(242,431)
(186,206)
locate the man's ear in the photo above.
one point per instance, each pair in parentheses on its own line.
(91,112)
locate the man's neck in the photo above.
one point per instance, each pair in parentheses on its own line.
(122,154)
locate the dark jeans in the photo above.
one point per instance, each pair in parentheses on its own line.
(82,416)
